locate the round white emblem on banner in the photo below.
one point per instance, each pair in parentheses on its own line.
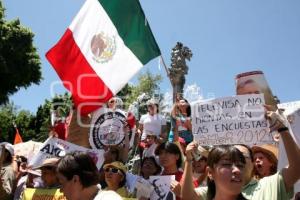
(107,128)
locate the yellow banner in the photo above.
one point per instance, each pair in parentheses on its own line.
(42,194)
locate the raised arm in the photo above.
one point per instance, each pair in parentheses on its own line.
(291,173)
(187,188)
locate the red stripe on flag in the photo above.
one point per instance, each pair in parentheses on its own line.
(87,88)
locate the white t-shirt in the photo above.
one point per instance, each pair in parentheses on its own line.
(107,195)
(152,124)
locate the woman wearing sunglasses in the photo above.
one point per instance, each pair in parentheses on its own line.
(115,178)
(78,177)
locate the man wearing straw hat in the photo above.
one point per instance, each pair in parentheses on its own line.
(265,160)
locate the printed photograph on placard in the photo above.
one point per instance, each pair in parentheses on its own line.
(254,82)
(161,187)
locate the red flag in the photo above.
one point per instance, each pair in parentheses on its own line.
(18,138)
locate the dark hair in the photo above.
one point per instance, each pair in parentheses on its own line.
(8,157)
(152,159)
(156,105)
(249,150)
(115,151)
(81,164)
(188,108)
(214,157)
(170,148)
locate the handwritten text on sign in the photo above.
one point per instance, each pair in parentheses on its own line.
(231,120)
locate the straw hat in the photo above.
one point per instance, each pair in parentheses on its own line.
(117,165)
(267,149)
(50,162)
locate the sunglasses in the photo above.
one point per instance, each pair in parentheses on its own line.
(113,170)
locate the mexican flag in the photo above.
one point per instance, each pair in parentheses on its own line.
(107,43)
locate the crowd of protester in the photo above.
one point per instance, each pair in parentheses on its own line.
(201,172)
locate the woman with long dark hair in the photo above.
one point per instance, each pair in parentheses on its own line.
(226,168)
(181,120)
(225,173)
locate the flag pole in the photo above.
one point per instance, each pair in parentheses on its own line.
(166,68)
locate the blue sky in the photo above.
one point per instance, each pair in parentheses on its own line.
(226,37)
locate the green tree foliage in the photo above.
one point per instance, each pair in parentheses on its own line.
(148,83)
(43,120)
(32,127)
(61,104)
(19,60)
(24,121)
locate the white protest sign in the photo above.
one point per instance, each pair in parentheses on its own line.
(292,112)
(54,147)
(161,187)
(28,149)
(231,120)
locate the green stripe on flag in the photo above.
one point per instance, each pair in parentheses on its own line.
(129,19)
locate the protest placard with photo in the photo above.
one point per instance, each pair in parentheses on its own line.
(254,82)
(143,188)
(54,147)
(161,187)
(231,120)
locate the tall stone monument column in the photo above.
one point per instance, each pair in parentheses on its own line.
(179,68)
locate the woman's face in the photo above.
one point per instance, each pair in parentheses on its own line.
(113,176)
(200,165)
(150,139)
(167,159)
(228,176)
(182,104)
(152,109)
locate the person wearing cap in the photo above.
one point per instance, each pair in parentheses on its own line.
(48,173)
(7,177)
(78,175)
(265,160)
(115,178)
